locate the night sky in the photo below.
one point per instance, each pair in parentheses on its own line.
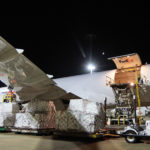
(63,41)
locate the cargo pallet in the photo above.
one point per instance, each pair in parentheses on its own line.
(28,131)
(100,134)
(52,132)
(106,132)
(78,134)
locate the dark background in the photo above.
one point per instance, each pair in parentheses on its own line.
(64,39)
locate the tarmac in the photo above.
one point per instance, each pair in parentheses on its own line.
(12,141)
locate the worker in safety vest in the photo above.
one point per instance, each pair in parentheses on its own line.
(11,93)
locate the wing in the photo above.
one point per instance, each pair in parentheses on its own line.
(29,81)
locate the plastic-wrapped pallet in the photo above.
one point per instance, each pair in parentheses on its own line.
(78,121)
(91,123)
(93,108)
(9,108)
(77,105)
(26,120)
(45,121)
(81,119)
(37,114)
(34,121)
(7,119)
(62,120)
(58,119)
(74,120)
(39,106)
(85,106)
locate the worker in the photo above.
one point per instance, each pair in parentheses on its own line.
(11,93)
(141,81)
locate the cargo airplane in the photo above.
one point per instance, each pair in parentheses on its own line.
(30,82)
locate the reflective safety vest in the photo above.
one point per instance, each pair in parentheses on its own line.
(11,92)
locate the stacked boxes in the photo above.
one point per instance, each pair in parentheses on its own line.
(81,116)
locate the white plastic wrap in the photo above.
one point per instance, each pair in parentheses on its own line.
(74,121)
(34,121)
(85,106)
(7,119)
(81,116)
(76,105)
(91,123)
(9,108)
(26,120)
(93,108)
(78,121)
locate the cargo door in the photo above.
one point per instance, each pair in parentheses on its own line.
(127,68)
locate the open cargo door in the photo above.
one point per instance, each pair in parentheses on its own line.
(127,61)
(128,66)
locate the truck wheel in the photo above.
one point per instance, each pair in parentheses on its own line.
(131,139)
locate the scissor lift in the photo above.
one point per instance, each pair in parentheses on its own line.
(125,87)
